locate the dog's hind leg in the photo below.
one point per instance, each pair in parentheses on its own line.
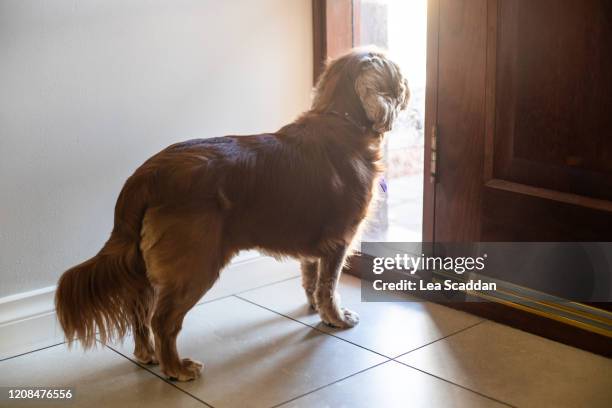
(183,258)
(326,295)
(144,349)
(310,275)
(172,305)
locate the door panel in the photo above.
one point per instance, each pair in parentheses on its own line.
(524,119)
(554,101)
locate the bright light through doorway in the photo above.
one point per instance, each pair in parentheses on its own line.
(400,26)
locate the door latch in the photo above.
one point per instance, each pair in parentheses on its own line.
(433,168)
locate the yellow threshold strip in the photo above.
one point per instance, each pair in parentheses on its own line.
(550,305)
(562,319)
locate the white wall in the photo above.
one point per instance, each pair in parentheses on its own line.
(90,89)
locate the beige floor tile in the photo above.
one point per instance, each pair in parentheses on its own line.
(250,274)
(100,378)
(389,328)
(256,358)
(518,368)
(392,385)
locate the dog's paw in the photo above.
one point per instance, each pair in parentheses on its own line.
(311,301)
(350,318)
(343,320)
(189,370)
(145,355)
(148,359)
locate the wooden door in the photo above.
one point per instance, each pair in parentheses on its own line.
(523,117)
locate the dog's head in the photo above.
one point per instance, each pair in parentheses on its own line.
(367,78)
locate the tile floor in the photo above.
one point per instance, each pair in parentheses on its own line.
(262,347)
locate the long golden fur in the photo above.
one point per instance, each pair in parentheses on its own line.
(302,192)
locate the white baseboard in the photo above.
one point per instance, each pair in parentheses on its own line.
(26,305)
(28,321)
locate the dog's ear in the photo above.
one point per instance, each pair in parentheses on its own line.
(382,90)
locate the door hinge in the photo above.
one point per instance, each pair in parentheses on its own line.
(433,165)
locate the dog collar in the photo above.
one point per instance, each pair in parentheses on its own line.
(349,119)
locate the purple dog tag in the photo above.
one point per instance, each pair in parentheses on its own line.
(383,185)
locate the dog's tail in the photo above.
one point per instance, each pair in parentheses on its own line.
(110,292)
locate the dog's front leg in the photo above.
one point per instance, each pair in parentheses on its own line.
(310,275)
(326,295)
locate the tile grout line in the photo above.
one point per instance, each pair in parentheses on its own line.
(265,285)
(444,379)
(155,374)
(246,290)
(32,351)
(331,383)
(440,339)
(458,385)
(314,328)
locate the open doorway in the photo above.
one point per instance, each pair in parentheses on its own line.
(400,27)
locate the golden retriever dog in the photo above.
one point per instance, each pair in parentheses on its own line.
(300,192)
